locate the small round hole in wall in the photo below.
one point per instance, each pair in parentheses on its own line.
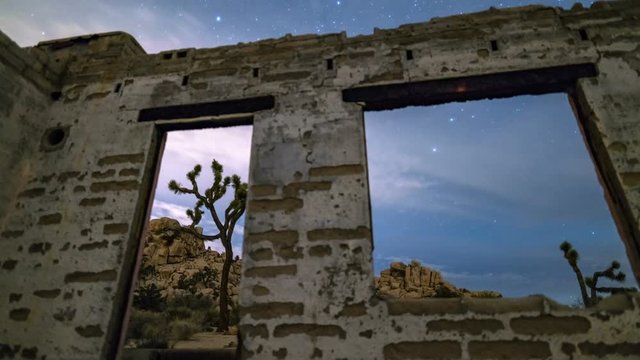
(54,138)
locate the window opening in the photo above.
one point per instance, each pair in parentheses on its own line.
(482,194)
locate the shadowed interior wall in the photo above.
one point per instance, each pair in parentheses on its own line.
(70,223)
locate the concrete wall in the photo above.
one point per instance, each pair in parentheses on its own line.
(26,78)
(70,240)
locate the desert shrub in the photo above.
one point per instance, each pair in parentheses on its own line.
(211,317)
(191,301)
(147,272)
(445,292)
(485,294)
(178,312)
(234,316)
(207,277)
(148,297)
(182,329)
(149,329)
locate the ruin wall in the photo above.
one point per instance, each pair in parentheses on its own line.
(81,139)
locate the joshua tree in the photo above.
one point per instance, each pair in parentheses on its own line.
(225,226)
(591,282)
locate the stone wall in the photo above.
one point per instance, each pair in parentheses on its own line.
(71,240)
(26,78)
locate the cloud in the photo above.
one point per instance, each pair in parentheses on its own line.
(165,209)
(184,149)
(33,21)
(530,163)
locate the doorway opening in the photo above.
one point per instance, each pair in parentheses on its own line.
(198,207)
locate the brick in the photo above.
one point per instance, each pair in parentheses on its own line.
(20,314)
(259,290)
(503,305)
(32,193)
(63,177)
(9,264)
(254,331)
(50,219)
(89,331)
(292,75)
(425,306)
(89,277)
(270,271)
(630,179)
(286,204)
(550,325)
(261,254)
(121,159)
(280,353)
(340,170)
(320,251)
(103,174)
(339,234)
(129,172)
(93,201)
(11,234)
(94,245)
(312,330)
(601,349)
(515,349)
(293,189)
(47,294)
(272,310)
(467,326)
(275,237)
(127,185)
(116,228)
(263,190)
(353,310)
(41,248)
(423,350)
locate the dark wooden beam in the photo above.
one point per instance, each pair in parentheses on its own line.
(497,85)
(215,108)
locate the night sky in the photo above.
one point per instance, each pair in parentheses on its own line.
(484,191)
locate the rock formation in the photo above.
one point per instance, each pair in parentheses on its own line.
(417,281)
(178,262)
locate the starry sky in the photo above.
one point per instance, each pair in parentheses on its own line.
(483,191)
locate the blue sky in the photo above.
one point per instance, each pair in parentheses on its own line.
(484,191)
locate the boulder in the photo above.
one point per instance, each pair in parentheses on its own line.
(415,281)
(167,242)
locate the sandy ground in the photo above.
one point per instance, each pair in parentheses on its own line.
(208,340)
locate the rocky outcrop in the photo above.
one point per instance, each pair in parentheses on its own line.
(178,262)
(167,243)
(417,281)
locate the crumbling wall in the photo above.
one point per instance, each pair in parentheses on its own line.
(26,79)
(307,287)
